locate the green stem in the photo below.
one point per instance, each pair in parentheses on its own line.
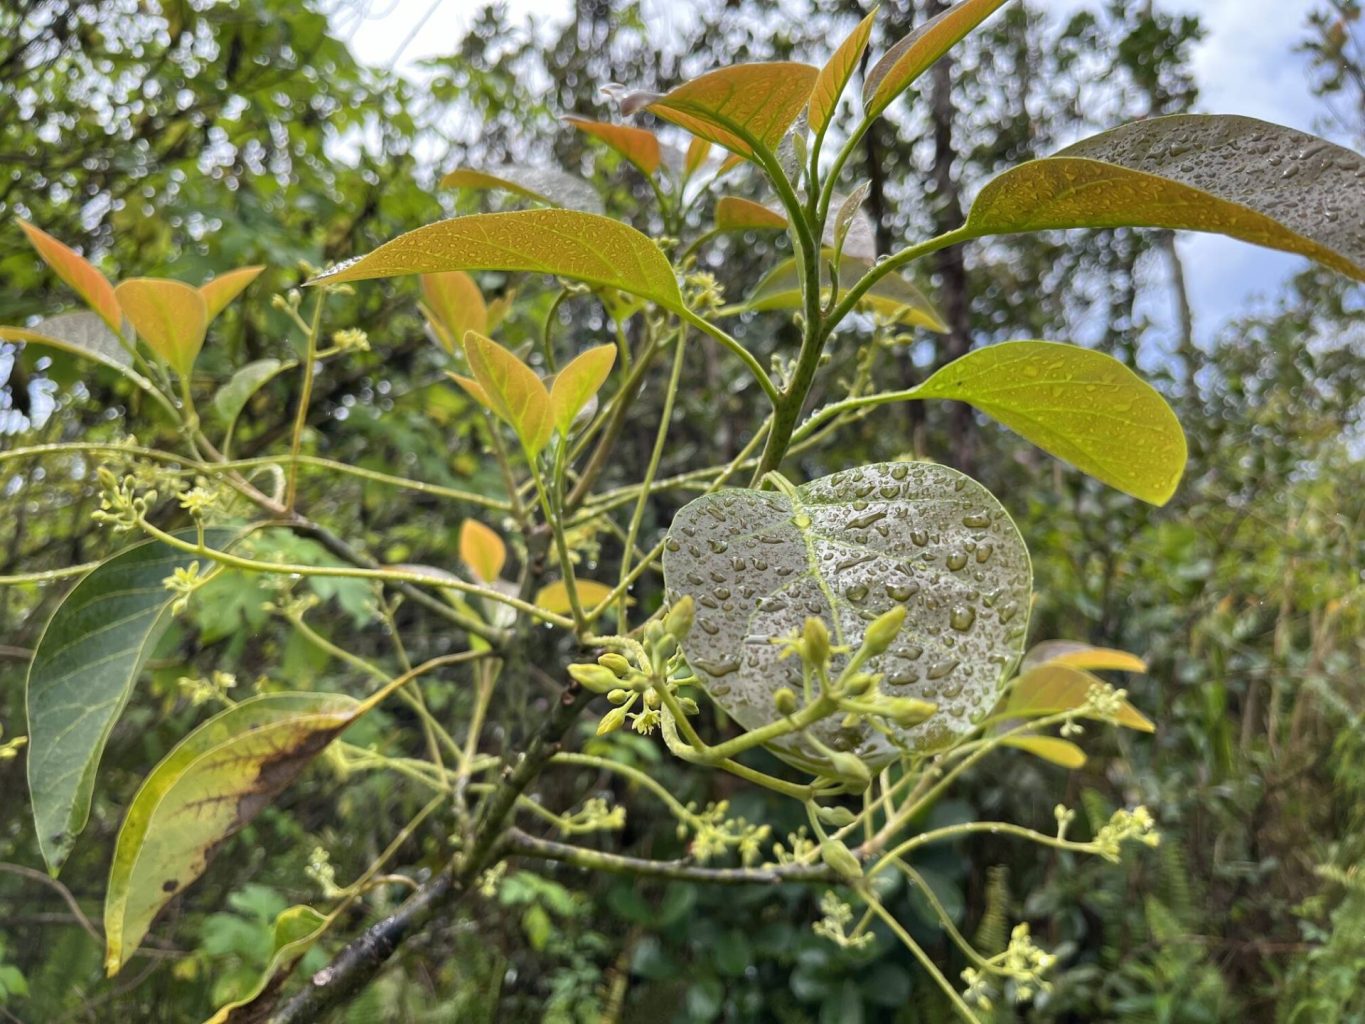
(305,397)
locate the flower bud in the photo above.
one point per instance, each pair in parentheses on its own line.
(678,621)
(617,663)
(849,767)
(841,859)
(907,711)
(859,683)
(836,816)
(611,721)
(594,677)
(816,638)
(784,699)
(883,630)
(618,696)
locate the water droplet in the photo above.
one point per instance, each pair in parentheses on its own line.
(962,618)
(939,669)
(856,593)
(957,560)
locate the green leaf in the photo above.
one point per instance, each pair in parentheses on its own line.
(850,227)
(547,185)
(853,545)
(738,107)
(512,389)
(231,398)
(1078,404)
(917,52)
(170,316)
(209,786)
(1236,176)
(1051,749)
(296,930)
(581,246)
(576,384)
(834,76)
(893,296)
(1053,688)
(82,674)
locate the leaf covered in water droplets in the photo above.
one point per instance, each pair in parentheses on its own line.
(855,544)
(543,184)
(1231,175)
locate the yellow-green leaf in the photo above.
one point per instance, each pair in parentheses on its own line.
(1235,176)
(892,296)
(1075,654)
(739,107)
(1052,688)
(482,550)
(170,316)
(834,76)
(578,382)
(1051,749)
(543,184)
(917,52)
(635,144)
(734,213)
(554,597)
(514,392)
(453,304)
(1080,405)
(697,152)
(582,246)
(78,274)
(209,786)
(296,929)
(221,290)
(473,388)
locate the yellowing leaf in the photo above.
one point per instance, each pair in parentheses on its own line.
(296,929)
(567,243)
(221,290)
(578,382)
(209,786)
(829,86)
(482,550)
(892,296)
(1074,654)
(171,317)
(78,274)
(543,184)
(515,394)
(742,106)
(1081,405)
(1050,748)
(474,389)
(454,305)
(697,152)
(917,52)
(1236,176)
(1052,688)
(734,213)
(635,144)
(554,597)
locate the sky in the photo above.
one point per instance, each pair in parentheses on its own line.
(1244,65)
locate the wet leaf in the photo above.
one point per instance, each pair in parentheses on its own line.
(482,550)
(1050,748)
(1053,688)
(221,290)
(453,304)
(915,534)
(1080,405)
(170,316)
(512,389)
(581,246)
(735,213)
(81,334)
(740,107)
(554,597)
(89,656)
(852,230)
(834,76)
(296,930)
(1075,654)
(635,144)
(211,784)
(78,274)
(893,296)
(576,384)
(1236,176)
(547,185)
(917,52)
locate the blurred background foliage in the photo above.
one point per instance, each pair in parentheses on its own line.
(190,136)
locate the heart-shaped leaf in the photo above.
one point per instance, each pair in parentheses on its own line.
(829,86)
(547,185)
(853,545)
(208,787)
(635,144)
(582,246)
(170,316)
(1081,405)
(78,274)
(1236,176)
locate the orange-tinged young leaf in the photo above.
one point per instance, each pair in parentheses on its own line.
(917,52)
(78,274)
(554,597)
(474,389)
(734,213)
(515,394)
(837,71)
(635,144)
(1236,176)
(1075,654)
(567,243)
(1050,689)
(1080,405)
(547,185)
(742,106)
(482,550)
(221,290)
(454,305)
(578,382)
(1051,749)
(170,316)
(697,152)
